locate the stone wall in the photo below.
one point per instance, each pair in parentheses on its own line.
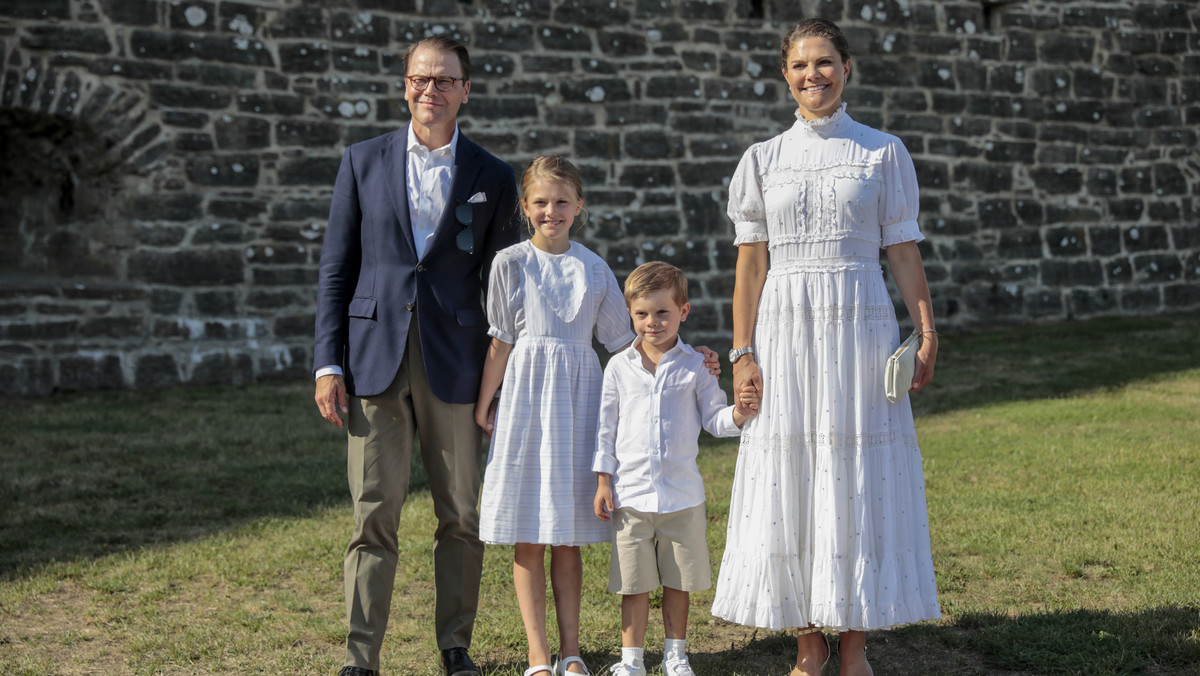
(167,165)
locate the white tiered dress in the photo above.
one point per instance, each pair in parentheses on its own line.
(539,483)
(827,521)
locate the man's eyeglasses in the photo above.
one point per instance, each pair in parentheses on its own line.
(465,240)
(444,83)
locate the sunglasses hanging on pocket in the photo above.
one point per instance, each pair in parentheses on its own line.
(465,215)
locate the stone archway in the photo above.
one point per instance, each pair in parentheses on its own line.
(68,142)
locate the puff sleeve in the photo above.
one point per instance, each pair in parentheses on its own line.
(612,319)
(747,208)
(505,292)
(898,197)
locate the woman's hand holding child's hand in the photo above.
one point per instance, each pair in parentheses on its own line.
(748,400)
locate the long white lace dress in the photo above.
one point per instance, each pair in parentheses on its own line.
(827,521)
(539,483)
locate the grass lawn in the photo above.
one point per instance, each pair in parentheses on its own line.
(200,531)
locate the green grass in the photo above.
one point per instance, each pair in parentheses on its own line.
(200,531)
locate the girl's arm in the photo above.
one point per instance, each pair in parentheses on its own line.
(494,366)
(749,278)
(904,260)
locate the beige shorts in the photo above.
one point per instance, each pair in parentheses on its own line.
(652,548)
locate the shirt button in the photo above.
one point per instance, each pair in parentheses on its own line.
(420,268)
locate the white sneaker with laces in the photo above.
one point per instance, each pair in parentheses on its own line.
(626,669)
(677,665)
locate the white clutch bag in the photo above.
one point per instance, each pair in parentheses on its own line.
(897,379)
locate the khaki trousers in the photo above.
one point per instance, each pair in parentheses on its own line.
(381,430)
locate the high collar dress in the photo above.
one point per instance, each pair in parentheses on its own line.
(827,519)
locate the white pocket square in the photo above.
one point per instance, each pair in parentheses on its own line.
(477,198)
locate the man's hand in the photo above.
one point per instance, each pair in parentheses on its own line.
(331,399)
(712,362)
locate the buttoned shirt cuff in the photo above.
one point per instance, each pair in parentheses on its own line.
(328,371)
(726,427)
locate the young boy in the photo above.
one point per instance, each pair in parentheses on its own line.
(657,394)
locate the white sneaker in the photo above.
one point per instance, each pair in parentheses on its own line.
(626,669)
(677,665)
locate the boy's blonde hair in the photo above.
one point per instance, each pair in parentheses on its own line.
(655,276)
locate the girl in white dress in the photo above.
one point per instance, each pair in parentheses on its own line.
(827,522)
(546,298)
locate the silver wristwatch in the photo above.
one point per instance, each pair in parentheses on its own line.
(737,354)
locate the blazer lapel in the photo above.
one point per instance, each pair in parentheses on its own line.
(394,157)
(466,171)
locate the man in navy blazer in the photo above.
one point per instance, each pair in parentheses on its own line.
(416,217)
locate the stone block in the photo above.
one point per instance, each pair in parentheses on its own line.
(164,207)
(242,133)
(194,142)
(706,174)
(184,118)
(653,145)
(295,326)
(239,170)
(647,176)
(116,328)
(1044,303)
(222,368)
(1065,48)
(36,9)
(505,108)
(596,90)
(1138,180)
(57,38)
(1165,212)
(995,301)
(188,267)
(1146,238)
(1146,300)
(159,234)
(1104,240)
(270,104)
(1083,273)
(1161,15)
(984,177)
(1157,268)
(1091,302)
(563,39)
(1181,296)
(284,276)
(79,373)
(316,171)
(591,13)
(597,144)
(220,302)
(1101,181)
(652,223)
(1019,243)
(165,301)
(156,372)
(309,133)
(1169,179)
(304,57)
(182,96)
(360,28)
(1057,180)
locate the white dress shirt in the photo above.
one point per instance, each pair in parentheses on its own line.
(430,173)
(649,423)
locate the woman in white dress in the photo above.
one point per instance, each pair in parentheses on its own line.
(827,522)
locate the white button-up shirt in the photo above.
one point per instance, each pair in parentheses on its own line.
(429,175)
(649,423)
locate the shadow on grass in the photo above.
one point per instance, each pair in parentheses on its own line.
(1164,641)
(91,474)
(1056,360)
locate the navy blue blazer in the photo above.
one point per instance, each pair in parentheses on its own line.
(371,280)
